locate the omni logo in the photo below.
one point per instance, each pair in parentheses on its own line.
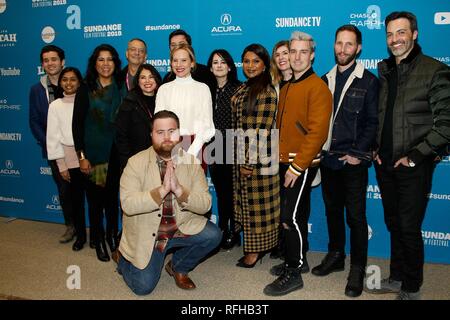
(225,19)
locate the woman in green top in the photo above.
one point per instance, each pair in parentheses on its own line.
(95,110)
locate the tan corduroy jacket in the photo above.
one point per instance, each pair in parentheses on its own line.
(142,205)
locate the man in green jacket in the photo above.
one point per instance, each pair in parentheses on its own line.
(414,118)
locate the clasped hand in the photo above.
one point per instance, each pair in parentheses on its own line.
(170,183)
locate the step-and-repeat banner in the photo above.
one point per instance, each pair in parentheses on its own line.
(26,187)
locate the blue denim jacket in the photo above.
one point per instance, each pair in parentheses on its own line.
(353,126)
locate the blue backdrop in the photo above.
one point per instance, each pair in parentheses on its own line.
(26,187)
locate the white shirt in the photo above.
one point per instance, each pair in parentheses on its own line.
(191,101)
(59,126)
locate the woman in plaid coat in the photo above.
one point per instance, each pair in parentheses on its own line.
(255,172)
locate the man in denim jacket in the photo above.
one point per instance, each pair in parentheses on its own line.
(347,155)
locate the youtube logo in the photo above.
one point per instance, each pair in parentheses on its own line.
(442,18)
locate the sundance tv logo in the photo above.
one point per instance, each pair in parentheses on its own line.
(9,170)
(226,28)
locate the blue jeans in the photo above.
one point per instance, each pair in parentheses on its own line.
(189,253)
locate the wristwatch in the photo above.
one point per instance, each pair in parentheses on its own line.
(411,163)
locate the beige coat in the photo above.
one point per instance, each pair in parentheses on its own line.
(142,207)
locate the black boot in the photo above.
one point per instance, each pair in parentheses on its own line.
(333,261)
(78,244)
(102,252)
(230,239)
(290,280)
(113,243)
(355,281)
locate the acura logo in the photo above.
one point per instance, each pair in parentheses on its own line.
(225,19)
(55,199)
(9,164)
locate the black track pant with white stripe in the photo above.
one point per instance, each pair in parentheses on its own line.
(295,211)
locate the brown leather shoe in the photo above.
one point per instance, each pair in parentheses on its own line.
(115,255)
(182,280)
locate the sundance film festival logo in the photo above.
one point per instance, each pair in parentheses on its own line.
(370,64)
(103,30)
(226,28)
(4,105)
(373,192)
(371,19)
(162,65)
(55,205)
(47,3)
(9,170)
(434,238)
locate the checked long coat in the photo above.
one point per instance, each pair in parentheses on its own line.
(256,198)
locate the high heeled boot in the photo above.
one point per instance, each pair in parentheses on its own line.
(102,252)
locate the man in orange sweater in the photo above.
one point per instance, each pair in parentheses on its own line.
(303,118)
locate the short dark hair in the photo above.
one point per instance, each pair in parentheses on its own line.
(351,28)
(226,56)
(402,14)
(180,32)
(164,114)
(50,48)
(68,69)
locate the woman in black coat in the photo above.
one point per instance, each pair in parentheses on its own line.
(135,113)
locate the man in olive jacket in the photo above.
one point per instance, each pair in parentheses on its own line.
(414,118)
(164,196)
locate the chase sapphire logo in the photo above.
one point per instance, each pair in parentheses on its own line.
(225,19)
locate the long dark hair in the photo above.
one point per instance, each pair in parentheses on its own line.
(91,72)
(225,55)
(69,69)
(261,82)
(153,71)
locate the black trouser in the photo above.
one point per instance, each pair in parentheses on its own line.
(63,193)
(222,177)
(404,193)
(105,200)
(346,188)
(76,193)
(295,211)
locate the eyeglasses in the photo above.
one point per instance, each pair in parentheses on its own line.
(138,50)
